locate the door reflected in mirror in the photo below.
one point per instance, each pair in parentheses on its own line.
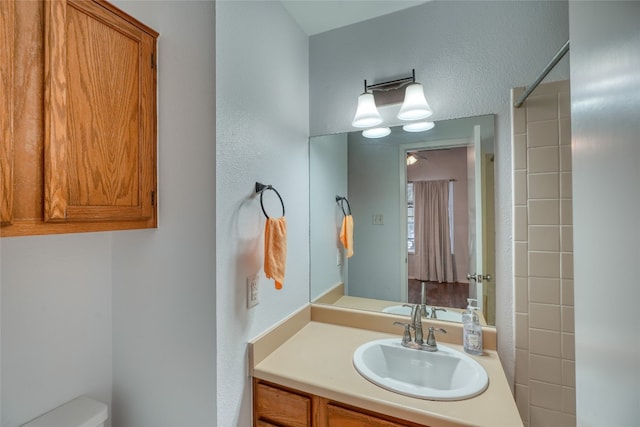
(423,219)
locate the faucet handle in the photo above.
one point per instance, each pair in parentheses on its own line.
(413,310)
(431,344)
(434,309)
(406,336)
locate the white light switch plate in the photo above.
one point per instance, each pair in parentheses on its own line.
(252,291)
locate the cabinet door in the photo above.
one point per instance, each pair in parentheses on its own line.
(342,417)
(278,407)
(100,114)
(7,25)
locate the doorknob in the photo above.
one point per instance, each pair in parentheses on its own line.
(479,277)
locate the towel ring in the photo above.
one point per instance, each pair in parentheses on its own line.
(340,201)
(260,188)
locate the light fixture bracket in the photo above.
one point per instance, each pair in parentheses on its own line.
(390,92)
(391,85)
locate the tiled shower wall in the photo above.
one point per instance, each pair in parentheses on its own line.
(543,257)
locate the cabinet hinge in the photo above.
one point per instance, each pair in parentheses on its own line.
(153,61)
(153,198)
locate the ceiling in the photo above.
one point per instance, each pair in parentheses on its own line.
(318,16)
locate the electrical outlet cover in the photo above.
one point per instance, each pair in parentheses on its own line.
(252,291)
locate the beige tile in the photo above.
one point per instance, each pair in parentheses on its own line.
(564,104)
(520,231)
(547,369)
(544,212)
(545,316)
(567,315)
(541,417)
(568,346)
(519,115)
(566,212)
(569,373)
(542,134)
(567,265)
(522,331)
(543,159)
(544,238)
(566,238)
(565,131)
(520,187)
(566,189)
(522,366)
(552,88)
(544,395)
(521,259)
(543,107)
(544,264)
(565,158)
(522,401)
(566,286)
(521,295)
(544,343)
(544,290)
(569,400)
(544,186)
(519,152)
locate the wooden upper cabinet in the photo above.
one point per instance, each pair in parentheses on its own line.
(100,136)
(78,116)
(7,31)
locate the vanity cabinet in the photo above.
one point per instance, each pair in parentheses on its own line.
(274,405)
(78,90)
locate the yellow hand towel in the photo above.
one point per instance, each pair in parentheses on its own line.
(346,234)
(275,249)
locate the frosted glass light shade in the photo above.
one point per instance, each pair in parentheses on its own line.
(411,159)
(418,126)
(376,132)
(367,114)
(415,105)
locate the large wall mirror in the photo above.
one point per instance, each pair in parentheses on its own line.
(423,211)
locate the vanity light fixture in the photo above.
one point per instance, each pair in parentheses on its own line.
(418,126)
(376,132)
(367,113)
(411,159)
(414,106)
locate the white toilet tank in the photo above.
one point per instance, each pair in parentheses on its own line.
(80,412)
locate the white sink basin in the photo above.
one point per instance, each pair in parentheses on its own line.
(446,374)
(451,316)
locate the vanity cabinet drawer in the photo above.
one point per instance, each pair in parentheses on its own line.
(338,416)
(277,407)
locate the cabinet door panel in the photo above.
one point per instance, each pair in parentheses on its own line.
(7,26)
(281,407)
(342,417)
(100,115)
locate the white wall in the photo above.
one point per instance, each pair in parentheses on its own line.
(262,131)
(56,322)
(164,304)
(605,107)
(327,179)
(468,55)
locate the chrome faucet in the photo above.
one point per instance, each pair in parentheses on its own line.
(431,344)
(433,311)
(417,342)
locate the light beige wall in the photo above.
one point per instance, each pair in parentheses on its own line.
(543,257)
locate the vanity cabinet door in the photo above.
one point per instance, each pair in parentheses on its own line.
(338,416)
(274,406)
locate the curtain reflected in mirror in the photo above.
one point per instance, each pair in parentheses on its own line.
(419,228)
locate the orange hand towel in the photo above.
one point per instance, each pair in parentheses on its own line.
(275,249)
(346,234)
